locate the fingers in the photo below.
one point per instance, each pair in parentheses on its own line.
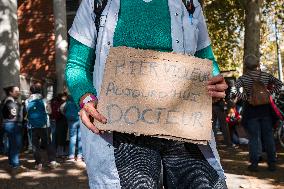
(86,120)
(98,116)
(216,79)
(92,111)
(217,87)
(216,94)
(88,114)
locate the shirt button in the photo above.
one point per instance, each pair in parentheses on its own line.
(176,14)
(108,43)
(177,41)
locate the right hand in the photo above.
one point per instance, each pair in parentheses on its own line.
(88,112)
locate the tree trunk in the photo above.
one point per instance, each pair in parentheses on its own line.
(59,9)
(252,28)
(9,45)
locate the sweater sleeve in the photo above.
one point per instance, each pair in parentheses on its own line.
(79,70)
(276,83)
(207,53)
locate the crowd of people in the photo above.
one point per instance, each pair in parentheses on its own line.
(37,125)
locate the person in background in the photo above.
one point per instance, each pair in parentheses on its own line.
(38,124)
(61,126)
(26,131)
(219,110)
(70,110)
(258,118)
(52,121)
(233,118)
(12,114)
(55,115)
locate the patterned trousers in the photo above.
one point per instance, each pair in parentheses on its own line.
(140,159)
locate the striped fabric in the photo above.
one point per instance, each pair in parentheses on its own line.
(138,160)
(246,82)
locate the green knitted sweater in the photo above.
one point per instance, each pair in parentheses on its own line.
(79,70)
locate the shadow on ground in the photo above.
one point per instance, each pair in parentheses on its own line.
(235,163)
(70,175)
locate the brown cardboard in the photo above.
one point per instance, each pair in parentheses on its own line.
(156,93)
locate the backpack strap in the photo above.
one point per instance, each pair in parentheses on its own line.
(99,6)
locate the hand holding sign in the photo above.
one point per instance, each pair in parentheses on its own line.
(216,87)
(88,114)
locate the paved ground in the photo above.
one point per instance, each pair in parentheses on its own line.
(235,163)
(70,175)
(73,175)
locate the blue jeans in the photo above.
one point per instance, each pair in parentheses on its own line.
(75,135)
(257,127)
(14,133)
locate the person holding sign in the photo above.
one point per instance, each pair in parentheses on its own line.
(116,160)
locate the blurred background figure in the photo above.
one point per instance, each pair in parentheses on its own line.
(12,114)
(70,110)
(233,118)
(61,125)
(38,124)
(255,88)
(219,110)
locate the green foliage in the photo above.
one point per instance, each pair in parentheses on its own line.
(272,15)
(225,20)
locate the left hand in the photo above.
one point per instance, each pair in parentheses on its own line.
(216,87)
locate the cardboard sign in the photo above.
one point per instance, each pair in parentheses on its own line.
(156,93)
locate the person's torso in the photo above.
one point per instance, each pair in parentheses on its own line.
(71,111)
(36,111)
(55,109)
(249,78)
(187,35)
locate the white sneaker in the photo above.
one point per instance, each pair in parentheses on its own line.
(54,164)
(38,166)
(71,159)
(80,159)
